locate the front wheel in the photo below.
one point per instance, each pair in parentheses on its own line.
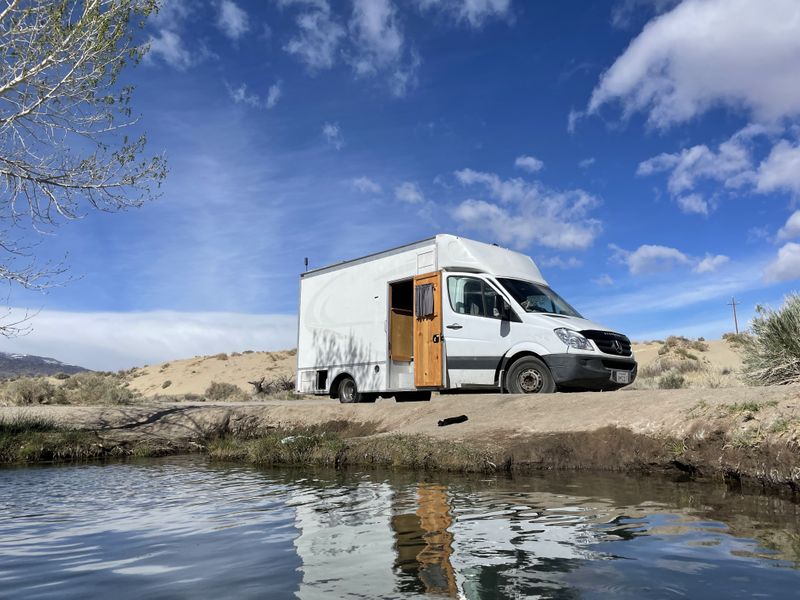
(349,394)
(530,375)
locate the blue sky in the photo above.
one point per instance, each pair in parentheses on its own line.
(646,153)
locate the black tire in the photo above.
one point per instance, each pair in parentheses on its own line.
(348,391)
(530,375)
(412,397)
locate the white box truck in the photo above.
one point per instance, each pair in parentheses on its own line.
(447,314)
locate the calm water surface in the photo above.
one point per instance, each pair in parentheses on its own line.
(185,528)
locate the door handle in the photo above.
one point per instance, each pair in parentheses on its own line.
(454,326)
(436,338)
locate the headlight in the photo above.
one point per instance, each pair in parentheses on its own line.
(573,339)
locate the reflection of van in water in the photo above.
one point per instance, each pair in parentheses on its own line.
(447,313)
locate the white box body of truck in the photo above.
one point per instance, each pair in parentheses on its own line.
(447,313)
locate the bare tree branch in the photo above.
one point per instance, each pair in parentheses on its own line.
(62,116)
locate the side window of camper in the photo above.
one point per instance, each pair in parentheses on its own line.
(471,296)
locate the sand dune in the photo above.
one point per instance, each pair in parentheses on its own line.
(194,375)
(718,366)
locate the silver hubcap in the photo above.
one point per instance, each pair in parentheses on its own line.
(530,381)
(348,390)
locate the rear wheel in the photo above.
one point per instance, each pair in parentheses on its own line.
(530,375)
(412,396)
(348,392)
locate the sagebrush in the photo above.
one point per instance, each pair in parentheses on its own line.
(772,347)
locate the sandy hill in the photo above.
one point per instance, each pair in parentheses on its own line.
(701,363)
(194,375)
(713,363)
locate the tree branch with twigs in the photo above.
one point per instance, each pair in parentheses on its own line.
(63,117)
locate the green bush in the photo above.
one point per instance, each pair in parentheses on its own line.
(166,384)
(672,381)
(772,349)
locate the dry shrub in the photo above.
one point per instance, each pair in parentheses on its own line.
(664,364)
(29,390)
(94,388)
(221,356)
(681,345)
(737,340)
(772,349)
(80,388)
(166,384)
(220,391)
(281,383)
(672,381)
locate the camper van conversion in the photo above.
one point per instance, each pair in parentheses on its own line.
(443,314)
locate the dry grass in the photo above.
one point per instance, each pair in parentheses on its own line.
(80,388)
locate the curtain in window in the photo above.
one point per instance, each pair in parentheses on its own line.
(424,300)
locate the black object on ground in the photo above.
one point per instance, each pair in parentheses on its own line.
(452,420)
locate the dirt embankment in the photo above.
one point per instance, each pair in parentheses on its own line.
(740,433)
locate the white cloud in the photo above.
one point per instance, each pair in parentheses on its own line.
(240,95)
(558,262)
(169,47)
(366,185)
(529,212)
(171,13)
(474,12)
(232,20)
(781,169)
(111,341)
(409,192)
(319,35)
(586,162)
(274,94)
(650,258)
(786,266)
(730,165)
(743,54)
(603,280)
(711,263)
(528,163)
(333,134)
(791,229)
(623,13)
(693,204)
(377,34)
(653,258)
(379,45)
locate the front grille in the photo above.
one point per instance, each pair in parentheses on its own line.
(605,342)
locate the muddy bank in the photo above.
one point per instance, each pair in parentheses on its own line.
(747,434)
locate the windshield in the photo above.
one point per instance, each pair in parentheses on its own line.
(535,297)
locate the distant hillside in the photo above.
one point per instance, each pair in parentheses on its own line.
(27,364)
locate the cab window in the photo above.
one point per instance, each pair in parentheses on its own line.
(472,296)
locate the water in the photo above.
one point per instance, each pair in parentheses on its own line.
(184,528)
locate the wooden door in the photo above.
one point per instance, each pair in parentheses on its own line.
(428,332)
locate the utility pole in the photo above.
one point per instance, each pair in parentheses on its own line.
(733,303)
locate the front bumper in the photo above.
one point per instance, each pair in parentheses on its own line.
(586,372)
